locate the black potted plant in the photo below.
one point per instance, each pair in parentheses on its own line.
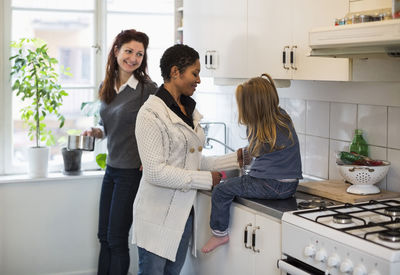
(72,157)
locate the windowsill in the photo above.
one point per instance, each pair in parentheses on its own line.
(52,177)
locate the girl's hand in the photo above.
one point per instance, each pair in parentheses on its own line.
(216,177)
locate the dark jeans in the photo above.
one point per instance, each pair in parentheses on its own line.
(115,219)
(245,187)
(152,264)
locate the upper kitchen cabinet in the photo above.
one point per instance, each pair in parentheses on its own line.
(278,39)
(218,31)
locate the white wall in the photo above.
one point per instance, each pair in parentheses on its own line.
(49,226)
(325,115)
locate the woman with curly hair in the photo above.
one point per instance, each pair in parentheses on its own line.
(170,141)
(125,88)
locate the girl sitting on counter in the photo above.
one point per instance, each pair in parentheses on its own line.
(273,143)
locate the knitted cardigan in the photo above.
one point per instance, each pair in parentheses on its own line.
(173,170)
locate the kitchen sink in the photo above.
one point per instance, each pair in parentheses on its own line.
(227,174)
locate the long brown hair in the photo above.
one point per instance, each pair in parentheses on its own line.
(258,108)
(107,92)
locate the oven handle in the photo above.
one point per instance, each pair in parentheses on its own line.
(288,268)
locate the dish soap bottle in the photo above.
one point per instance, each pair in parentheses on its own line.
(359,145)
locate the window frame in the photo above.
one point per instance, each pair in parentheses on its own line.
(100,15)
(6,127)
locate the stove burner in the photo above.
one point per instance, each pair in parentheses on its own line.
(314,203)
(342,219)
(390,236)
(393,211)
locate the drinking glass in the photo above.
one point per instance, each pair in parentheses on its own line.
(246,161)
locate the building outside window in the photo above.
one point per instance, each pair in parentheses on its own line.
(79,34)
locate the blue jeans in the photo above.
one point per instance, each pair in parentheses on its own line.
(245,187)
(115,219)
(152,264)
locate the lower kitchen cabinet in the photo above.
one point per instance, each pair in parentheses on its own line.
(237,257)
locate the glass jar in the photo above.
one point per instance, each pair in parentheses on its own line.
(359,145)
(356,19)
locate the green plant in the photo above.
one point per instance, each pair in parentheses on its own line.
(34,78)
(92,108)
(101,160)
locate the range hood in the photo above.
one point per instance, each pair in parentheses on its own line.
(357,40)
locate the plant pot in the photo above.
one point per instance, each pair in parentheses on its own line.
(38,161)
(72,161)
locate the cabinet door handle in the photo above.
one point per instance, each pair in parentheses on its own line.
(292,57)
(205,59)
(245,236)
(284,58)
(253,240)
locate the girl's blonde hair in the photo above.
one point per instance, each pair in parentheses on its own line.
(258,107)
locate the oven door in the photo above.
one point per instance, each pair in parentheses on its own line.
(293,266)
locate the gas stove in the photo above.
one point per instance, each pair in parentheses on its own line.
(359,239)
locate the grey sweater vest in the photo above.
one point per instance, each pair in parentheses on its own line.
(119,119)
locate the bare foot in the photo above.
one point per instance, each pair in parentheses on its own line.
(214,242)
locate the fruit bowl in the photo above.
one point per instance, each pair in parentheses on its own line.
(363,177)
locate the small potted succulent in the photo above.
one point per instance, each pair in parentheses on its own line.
(35,81)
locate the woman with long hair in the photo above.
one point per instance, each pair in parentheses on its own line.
(125,88)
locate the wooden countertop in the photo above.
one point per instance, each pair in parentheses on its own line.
(336,190)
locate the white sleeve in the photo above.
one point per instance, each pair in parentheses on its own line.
(155,168)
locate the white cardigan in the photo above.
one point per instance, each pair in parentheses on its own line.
(173,170)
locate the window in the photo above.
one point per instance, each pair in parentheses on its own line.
(79,34)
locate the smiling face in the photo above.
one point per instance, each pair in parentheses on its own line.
(187,81)
(129,57)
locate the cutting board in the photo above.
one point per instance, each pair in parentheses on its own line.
(336,190)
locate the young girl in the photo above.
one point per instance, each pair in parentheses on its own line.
(273,143)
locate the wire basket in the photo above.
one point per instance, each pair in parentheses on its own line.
(367,175)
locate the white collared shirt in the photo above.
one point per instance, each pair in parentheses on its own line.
(132,82)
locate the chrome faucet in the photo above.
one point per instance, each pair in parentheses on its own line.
(209,146)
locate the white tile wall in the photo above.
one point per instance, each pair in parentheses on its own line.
(296,108)
(323,127)
(394,127)
(393,177)
(317,118)
(316,159)
(343,121)
(373,121)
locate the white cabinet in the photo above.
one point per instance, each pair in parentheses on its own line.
(244,38)
(278,39)
(237,257)
(218,31)
(178,21)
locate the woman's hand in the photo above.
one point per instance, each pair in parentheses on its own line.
(216,177)
(93,132)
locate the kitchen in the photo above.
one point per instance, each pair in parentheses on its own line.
(325,113)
